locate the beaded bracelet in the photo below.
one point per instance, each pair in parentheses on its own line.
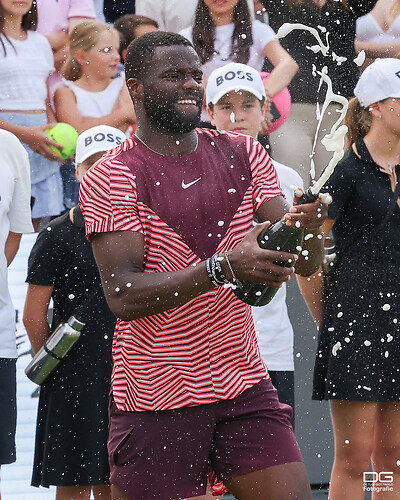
(210,273)
(215,271)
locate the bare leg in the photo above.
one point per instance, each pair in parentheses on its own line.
(353,425)
(73,492)
(386,452)
(274,483)
(116,494)
(100,491)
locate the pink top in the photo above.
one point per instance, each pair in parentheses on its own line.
(187,208)
(54,15)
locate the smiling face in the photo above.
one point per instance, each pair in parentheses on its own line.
(173,90)
(220,7)
(15,7)
(104,57)
(238,112)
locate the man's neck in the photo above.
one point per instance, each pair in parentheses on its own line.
(167,143)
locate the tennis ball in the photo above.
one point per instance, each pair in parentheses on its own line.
(66,135)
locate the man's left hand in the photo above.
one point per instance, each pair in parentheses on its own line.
(308,215)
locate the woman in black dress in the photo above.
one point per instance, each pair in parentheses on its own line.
(358,358)
(72,422)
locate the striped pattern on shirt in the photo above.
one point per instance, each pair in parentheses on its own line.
(206,349)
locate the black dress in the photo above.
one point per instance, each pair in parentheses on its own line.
(72,422)
(358,356)
(340,22)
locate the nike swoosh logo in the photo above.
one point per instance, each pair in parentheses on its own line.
(185,186)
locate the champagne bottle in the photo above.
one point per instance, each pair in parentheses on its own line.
(277,236)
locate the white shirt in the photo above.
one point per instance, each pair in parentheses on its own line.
(172,15)
(15,216)
(273,328)
(262,35)
(24,72)
(96,104)
(369,30)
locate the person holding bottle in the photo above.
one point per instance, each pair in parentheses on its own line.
(71,429)
(357,361)
(170,217)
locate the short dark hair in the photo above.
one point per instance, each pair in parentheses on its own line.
(127,25)
(140,51)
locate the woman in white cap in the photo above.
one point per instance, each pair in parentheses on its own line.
(358,358)
(72,422)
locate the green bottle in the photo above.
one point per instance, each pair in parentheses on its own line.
(277,236)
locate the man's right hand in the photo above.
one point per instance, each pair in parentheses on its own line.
(252,263)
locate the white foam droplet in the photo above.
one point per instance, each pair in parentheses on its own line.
(359,60)
(221,223)
(232,117)
(386,307)
(367,343)
(335,348)
(71,296)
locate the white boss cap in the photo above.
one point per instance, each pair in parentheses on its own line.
(380,80)
(97,139)
(234,77)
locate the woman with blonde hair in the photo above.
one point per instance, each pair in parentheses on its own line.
(357,362)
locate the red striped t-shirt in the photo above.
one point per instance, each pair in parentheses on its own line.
(187,208)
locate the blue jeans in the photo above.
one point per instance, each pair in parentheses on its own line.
(70,184)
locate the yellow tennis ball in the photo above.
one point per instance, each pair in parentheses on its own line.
(66,135)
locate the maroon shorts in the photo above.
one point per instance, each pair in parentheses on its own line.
(164,455)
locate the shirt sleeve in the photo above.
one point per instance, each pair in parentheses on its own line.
(264,177)
(81,8)
(19,214)
(262,34)
(341,187)
(44,259)
(108,199)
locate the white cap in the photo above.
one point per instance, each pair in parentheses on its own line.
(234,77)
(97,139)
(380,80)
